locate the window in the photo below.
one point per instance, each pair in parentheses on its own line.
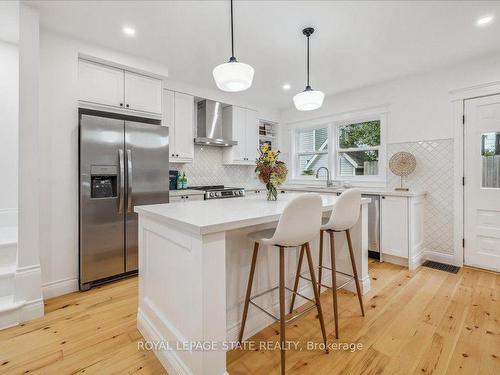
(311,150)
(490,155)
(351,150)
(358,149)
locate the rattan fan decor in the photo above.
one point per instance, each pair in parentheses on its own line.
(402,164)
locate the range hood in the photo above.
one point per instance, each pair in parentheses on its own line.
(210,128)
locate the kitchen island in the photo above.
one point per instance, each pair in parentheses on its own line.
(194,260)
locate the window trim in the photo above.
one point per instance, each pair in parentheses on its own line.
(332,123)
(381,176)
(296,154)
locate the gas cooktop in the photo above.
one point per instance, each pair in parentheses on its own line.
(220,191)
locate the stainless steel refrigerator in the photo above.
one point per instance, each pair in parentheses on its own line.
(123,162)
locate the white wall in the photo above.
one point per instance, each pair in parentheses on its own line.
(420,106)
(9,107)
(59,150)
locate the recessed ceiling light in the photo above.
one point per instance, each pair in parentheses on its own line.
(129,31)
(485,20)
(286,86)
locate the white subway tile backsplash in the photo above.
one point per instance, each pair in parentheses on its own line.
(207,169)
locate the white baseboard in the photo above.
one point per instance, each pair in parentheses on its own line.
(31,310)
(168,358)
(59,287)
(8,217)
(441,257)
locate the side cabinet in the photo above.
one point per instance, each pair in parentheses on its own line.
(241,125)
(179,117)
(401,228)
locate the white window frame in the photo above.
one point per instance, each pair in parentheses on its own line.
(332,122)
(381,176)
(296,154)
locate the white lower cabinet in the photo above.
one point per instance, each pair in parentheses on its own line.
(402,229)
(185,198)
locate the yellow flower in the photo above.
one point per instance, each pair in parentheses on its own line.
(265,147)
(271,155)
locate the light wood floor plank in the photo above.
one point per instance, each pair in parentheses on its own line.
(422,322)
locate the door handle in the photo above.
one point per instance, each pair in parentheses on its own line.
(129,181)
(122,181)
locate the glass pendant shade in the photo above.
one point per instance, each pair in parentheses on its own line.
(308,100)
(233,76)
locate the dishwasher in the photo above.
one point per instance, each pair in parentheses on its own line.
(373,226)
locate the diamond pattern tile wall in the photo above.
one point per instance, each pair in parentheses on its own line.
(434,174)
(207,169)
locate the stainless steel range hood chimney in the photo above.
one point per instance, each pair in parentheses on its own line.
(210,130)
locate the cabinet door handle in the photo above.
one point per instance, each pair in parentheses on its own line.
(121,104)
(127,106)
(383,197)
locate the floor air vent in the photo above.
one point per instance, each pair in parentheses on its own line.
(441,266)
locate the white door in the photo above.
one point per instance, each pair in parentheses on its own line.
(168,118)
(482,182)
(239,134)
(183,123)
(394,226)
(143,93)
(100,84)
(252,135)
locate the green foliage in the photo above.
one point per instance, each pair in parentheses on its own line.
(308,172)
(360,135)
(488,153)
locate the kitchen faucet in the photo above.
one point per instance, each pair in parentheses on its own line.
(329,182)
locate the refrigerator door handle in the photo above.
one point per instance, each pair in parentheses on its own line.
(129,181)
(121,188)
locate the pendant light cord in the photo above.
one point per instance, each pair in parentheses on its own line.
(232,35)
(307,61)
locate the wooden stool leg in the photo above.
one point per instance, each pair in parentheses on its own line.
(320,269)
(355,272)
(296,283)
(249,289)
(316,295)
(334,284)
(282,308)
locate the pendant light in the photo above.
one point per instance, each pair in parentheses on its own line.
(233,76)
(308,99)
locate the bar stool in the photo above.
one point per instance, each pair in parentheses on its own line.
(299,224)
(343,217)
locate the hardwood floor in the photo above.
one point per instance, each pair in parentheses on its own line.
(427,322)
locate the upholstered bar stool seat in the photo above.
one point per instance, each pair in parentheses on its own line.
(298,225)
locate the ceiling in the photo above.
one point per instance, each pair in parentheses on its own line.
(355,44)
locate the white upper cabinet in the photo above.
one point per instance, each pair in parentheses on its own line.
(252,135)
(142,93)
(241,125)
(100,84)
(179,117)
(109,86)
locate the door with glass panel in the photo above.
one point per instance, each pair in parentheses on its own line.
(482,182)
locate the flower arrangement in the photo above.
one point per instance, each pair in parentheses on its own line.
(271,171)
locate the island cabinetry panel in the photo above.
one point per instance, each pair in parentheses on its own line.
(241,125)
(179,117)
(112,87)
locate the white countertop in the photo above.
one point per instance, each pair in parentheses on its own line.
(175,193)
(364,190)
(219,215)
